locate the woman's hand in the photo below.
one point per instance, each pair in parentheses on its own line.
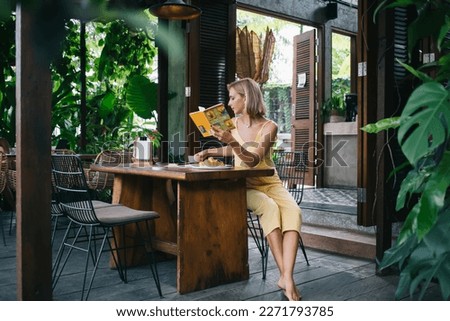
(224,136)
(201,156)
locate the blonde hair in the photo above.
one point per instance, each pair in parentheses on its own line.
(250,89)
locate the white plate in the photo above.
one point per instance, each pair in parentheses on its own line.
(197,166)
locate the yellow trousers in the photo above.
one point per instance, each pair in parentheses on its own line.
(275,206)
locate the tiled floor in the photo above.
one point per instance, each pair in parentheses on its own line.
(332,199)
(330,195)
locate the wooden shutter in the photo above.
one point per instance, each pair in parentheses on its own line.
(213,53)
(211,59)
(303,100)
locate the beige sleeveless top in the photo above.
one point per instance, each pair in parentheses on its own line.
(266,162)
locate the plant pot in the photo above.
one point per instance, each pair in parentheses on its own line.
(336,119)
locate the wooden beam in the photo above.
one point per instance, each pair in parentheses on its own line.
(367,55)
(163,94)
(33,130)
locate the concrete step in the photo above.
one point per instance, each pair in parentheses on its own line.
(340,221)
(337,240)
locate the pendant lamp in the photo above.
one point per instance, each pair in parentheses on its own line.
(175,10)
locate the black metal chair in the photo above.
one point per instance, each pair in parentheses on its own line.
(291,167)
(95,221)
(57,212)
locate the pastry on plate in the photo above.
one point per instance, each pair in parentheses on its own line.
(211,162)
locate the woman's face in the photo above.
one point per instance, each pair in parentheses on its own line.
(236,101)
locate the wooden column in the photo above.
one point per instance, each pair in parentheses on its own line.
(367,56)
(380,95)
(33,116)
(163,93)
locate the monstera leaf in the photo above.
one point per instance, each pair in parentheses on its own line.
(424,121)
(142,96)
(107,104)
(428,260)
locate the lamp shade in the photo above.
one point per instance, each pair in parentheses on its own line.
(175,10)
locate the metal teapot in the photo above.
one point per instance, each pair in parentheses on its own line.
(142,149)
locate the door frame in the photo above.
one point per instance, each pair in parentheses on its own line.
(303,115)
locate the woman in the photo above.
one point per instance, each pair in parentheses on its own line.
(250,143)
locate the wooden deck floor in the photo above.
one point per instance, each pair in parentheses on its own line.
(329,277)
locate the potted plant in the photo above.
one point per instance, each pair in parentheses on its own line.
(333,110)
(421,251)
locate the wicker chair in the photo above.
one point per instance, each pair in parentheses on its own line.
(94,223)
(291,168)
(9,194)
(4,145)
(101,180)
(3,180)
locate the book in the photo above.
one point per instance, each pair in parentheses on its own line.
(216,115)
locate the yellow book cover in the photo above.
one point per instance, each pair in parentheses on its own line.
(215,115)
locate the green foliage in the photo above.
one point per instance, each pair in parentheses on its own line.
(341,56)
(278,102)
(383,124)
(142,96)
(7,80)
(425,121)
(340,87)
(115,53)
(116,49)
(422,250)
(334,104)
(129,132)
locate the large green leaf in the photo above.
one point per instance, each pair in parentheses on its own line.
(410,185)
(443,32)
(433,196)
(419,74)
(409,227)
(443,275)
(383,124)
(424,121)
(428,23)
(444,67)
(107,104)
(398,253)
(142,96)
(423,215)
(429,259)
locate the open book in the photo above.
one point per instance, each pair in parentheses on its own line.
(215,115)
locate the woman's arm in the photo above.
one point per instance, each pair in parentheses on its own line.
(214,151)
(253,158)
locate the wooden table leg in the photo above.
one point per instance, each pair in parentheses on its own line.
(142,193)
(206,227)
(212,234)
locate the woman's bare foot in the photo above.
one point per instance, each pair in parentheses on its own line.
(289,289)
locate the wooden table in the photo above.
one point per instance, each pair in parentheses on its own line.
(203,217)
